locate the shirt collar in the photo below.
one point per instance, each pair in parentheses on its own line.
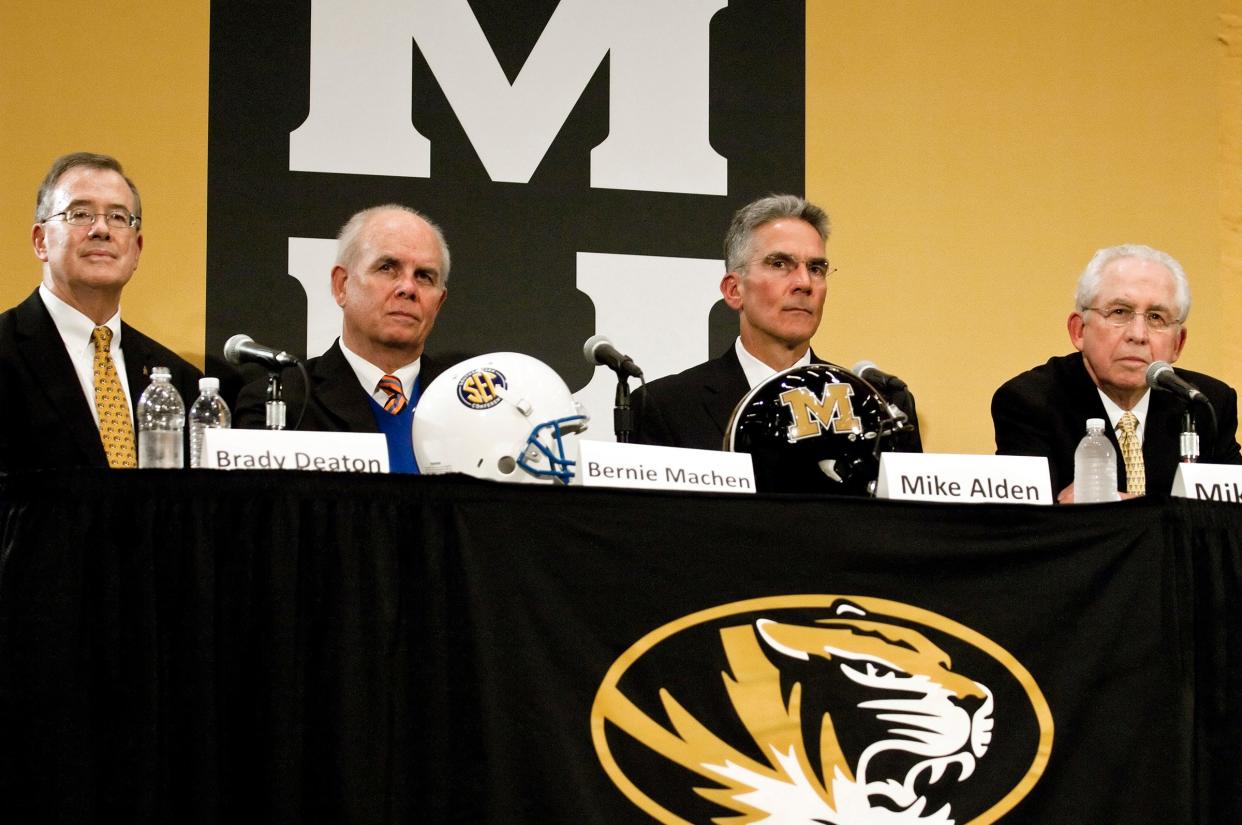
(757,371)
(369,375)
(75,328)
(1115,412)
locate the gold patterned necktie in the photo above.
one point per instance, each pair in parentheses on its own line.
(1132,453)
(116,431)
(391,384)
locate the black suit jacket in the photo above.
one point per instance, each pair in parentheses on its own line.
(1044,411)
(692,408)
(337,402)
(46,420)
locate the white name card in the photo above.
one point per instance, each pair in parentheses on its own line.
(1209,482)
(644,467)
(287,450)
(968,478)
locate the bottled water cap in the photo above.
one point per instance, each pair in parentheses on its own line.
(205,384)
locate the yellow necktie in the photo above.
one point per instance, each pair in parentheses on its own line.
(115,429)
(1132,453)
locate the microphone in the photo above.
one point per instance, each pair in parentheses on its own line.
(599,350)
(1160,376)
(868,371)
(241,349)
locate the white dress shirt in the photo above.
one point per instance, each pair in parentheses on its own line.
(75,331)
(757,371)
(369,375)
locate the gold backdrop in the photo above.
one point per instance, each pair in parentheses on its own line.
(973,156)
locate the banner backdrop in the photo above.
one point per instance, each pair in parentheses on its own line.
(583,157)
(353,649)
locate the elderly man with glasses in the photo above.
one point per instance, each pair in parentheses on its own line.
(70,369)
(1130,310)
(776,282)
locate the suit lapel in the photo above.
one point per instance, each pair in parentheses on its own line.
(1160,440)
(138,366)
(725,386)
(430,369)
(336,386)
(43,351)
(1088,404)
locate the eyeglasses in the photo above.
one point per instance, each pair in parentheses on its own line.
(1124,316)
(784,264)
(81,216)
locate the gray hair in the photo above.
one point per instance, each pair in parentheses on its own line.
(755,214)
(90,160)
(1089,281)
(347,238)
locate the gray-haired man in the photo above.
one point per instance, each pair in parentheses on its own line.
(1130,309)
(776,281)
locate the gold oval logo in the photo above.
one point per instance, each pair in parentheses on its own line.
(820,708)
(479,388)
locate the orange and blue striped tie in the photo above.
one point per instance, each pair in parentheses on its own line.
(391,384)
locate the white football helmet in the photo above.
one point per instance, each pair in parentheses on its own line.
(504,416)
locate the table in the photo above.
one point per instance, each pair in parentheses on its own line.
(205,647)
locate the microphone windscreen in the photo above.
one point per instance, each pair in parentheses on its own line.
(861,367)
(1154,371)
(232,347)
(588,348)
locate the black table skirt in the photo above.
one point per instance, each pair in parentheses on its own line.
(201,647)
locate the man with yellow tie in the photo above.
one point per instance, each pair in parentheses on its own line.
(70,369)
(1130,310)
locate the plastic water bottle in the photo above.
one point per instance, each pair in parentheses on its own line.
(161,421)
(208,412)
(1095,466)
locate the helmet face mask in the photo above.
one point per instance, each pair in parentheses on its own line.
(503,416)
(817,428)
(546,446)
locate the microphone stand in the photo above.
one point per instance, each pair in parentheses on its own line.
(622,415)
(274,410)
(1189,441)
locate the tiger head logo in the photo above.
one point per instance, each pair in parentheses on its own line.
(851,718)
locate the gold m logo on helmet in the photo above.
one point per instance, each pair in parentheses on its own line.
(812,415)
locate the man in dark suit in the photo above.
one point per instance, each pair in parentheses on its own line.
(390,280)
(70,370)
(1131,308)
(776,282)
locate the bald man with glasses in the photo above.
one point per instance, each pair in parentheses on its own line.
(1130,310)
(70,370)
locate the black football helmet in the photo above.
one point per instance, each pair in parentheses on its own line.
(814,429)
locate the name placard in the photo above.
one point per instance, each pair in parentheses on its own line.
(1209,482)
(972,479)
(644,467)
(286,450)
